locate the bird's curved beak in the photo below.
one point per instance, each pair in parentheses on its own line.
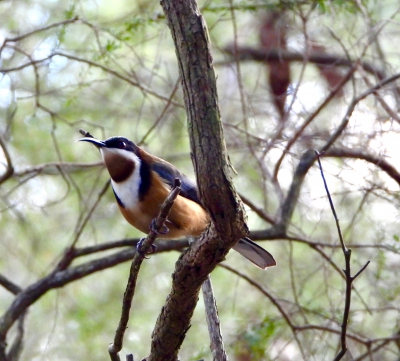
(98,143)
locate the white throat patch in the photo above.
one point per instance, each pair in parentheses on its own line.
(128,190)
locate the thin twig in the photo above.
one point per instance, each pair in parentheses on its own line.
(331,204)
(96,65)
(138,258)
(9,285)
(45,28)
(53,168)
(258,210)
(162,114)
(311,118)
(267,294)
(377,160)
(347,270)
(214,329)
(352,106)
(68,256)
(281,309)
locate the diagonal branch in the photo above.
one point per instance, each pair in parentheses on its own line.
(116,346)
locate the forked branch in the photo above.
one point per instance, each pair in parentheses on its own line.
(347,270)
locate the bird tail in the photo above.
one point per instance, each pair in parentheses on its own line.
(254,253)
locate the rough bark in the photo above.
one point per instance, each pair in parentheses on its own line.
(210,160)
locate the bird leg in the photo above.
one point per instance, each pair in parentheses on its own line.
(164,229)
(139,247)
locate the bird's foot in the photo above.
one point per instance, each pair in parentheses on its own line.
(139,248)
(164,229)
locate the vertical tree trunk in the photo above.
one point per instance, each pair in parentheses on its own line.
(212,170)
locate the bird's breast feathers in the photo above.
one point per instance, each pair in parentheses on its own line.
(185,218)
(128,191)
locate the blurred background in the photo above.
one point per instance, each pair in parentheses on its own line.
(110,68)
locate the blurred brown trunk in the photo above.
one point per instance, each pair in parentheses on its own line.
(273,36)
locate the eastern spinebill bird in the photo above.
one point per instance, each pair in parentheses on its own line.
(141,182)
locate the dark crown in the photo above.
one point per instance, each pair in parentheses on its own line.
(121,143)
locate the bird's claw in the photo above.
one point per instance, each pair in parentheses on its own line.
(139,248)
(164,229)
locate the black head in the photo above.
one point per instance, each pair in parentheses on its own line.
(113,142)
(121,143)
(120,155)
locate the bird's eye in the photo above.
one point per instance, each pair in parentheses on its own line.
(121,145)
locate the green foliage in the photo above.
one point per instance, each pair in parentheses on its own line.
(253,342)
(71,12)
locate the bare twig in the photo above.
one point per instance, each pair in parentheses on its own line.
(96,65)
(216,341)
(9,285)
(259,211)
(116,346)
(308,157)
(56,279)
(17,345)
(68,256)
(286,316)
(53,168)
(162,114)
(311,118)
(347,270)
(378,160)
(391,112)
(45,28)
(346,118)
(271,298)
(352,106)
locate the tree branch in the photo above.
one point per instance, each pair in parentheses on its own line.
(214,329)
(378,160)
(320,59)
(116,346)
(57,279)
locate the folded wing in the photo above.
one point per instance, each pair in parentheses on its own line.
(254,253)
(246,247)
